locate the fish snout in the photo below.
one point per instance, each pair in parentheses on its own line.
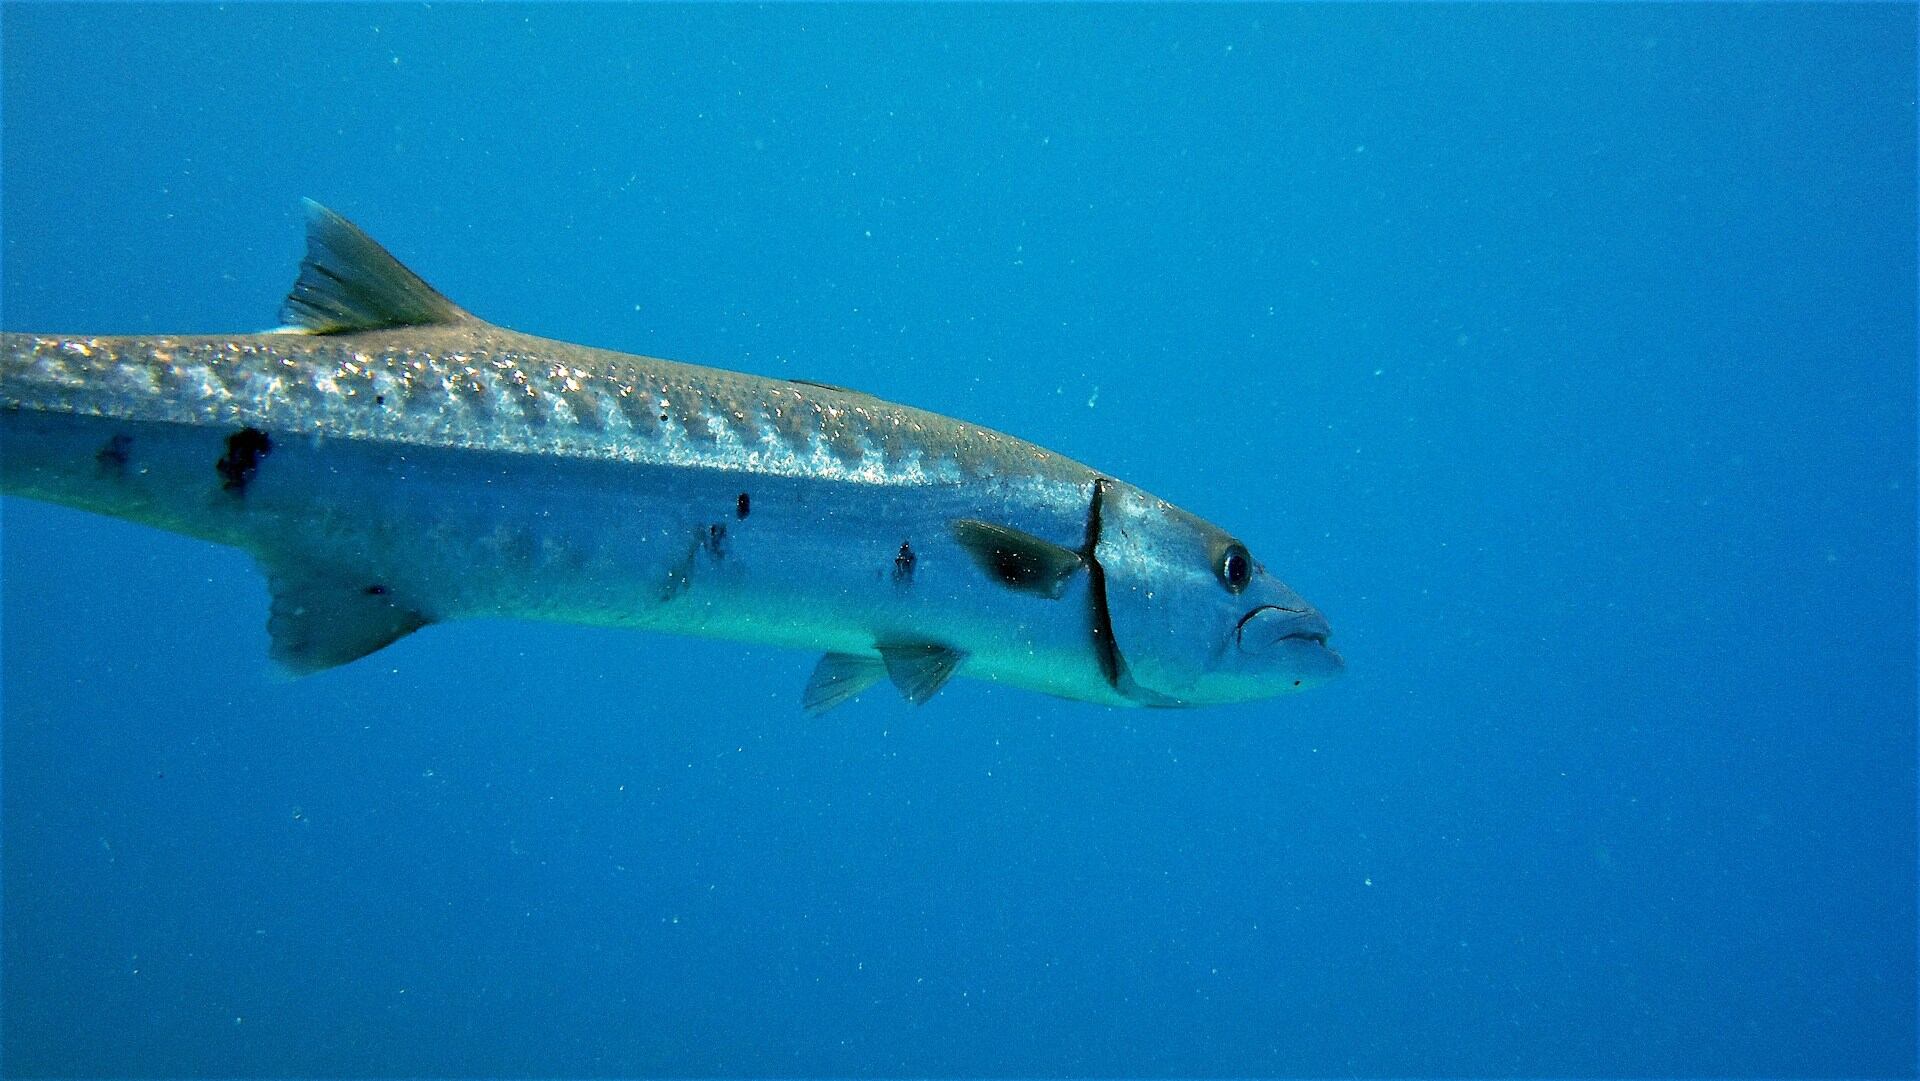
(1293,638)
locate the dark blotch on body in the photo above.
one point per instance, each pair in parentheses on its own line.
(114,456)
(376,590)
(245,448)
(903,565)
(680,575)
(742,506)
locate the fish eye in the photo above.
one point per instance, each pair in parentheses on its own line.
(1236,567)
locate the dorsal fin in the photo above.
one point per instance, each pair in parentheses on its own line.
(349,282)
(835,387)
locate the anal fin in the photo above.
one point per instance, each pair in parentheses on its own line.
(919,670)
(837,678)
(320,620)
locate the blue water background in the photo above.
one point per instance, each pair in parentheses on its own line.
(1563,355)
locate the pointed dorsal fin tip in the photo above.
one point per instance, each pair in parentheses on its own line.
(348,283)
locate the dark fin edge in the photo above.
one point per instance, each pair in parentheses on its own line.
(349,282)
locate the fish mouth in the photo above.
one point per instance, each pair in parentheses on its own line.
(1273,626)
(1289,643)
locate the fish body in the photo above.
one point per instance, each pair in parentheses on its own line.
(392,461)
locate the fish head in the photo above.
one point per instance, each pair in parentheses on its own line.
(1195,618)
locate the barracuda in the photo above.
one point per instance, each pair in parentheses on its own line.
(392,461)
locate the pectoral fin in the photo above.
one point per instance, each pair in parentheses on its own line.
(1018,560)
(919,670)
(321,620)
(837,678)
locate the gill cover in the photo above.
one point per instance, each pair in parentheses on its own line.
(1195,619)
